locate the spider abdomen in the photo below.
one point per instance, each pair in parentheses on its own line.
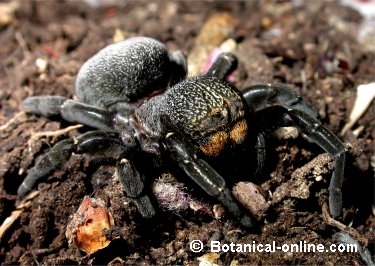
(124,72)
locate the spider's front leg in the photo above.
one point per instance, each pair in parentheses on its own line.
(258,96)
(223,66)
(204,175)
(71,111)
(279,116)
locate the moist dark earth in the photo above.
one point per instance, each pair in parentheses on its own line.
(310,45)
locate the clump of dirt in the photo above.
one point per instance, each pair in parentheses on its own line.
(312,46)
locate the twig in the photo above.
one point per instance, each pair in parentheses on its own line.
(342,227)
(34,137)
(301,179)
(21,41)
(12,120)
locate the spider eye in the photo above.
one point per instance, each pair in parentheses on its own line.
(218,115)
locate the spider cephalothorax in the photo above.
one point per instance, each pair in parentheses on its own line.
(207,109)
(137,97)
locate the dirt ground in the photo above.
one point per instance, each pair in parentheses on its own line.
(311,45)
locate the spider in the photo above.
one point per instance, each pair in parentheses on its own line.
(137,96)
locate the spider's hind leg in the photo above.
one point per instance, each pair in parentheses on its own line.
(54,159)
(43,105)
(71,111)
(179,66)
(94,142)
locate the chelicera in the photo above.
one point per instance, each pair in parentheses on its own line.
(137,96)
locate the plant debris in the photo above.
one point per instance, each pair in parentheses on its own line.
(87,227)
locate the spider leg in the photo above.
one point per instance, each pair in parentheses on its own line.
(260,147)
(204,175)
(77,112)
(279,116)
(43,105)
(133,186)
(179,67)
(55,158)
(98,142)
(91,142)
(70,110)
(223,66)
(110,145)
(259,95)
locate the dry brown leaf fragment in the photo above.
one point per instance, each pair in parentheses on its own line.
(86,230)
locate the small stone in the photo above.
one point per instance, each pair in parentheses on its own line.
(251,198)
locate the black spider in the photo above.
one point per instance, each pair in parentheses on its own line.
(193,120)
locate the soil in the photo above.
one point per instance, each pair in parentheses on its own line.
(310,45)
